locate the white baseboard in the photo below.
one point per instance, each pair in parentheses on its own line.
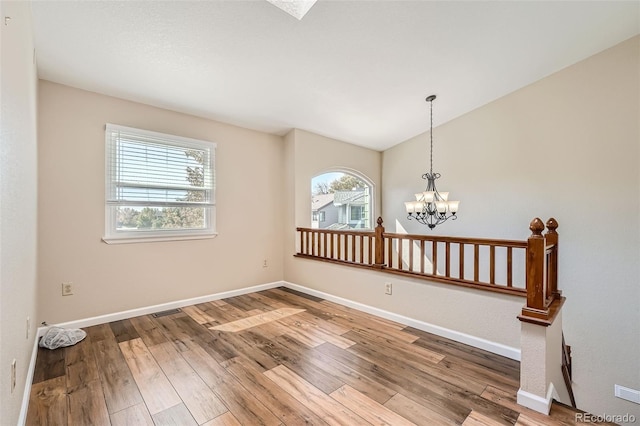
(494,347)
(457,336)
(102,319)
(535,402)
(467,339)
(22,419)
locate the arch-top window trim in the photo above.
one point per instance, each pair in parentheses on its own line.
(370,187)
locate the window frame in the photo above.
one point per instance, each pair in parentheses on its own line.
(368,214)
(114,236)
(360,212)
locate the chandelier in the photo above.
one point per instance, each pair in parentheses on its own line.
(431,207)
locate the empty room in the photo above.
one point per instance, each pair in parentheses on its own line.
(290,212)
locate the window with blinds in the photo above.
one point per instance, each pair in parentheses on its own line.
(158,186)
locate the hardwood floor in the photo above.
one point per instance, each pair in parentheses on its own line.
(277,357)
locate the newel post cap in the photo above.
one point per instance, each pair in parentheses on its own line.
(536,226)
(552,225)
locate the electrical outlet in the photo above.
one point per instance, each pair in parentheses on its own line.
(28,326)
(67,289)
(265,264)
(13,375)
(387,288)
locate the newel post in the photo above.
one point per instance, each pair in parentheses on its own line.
(535,265)
(379,244)
(541,377)
(551,238)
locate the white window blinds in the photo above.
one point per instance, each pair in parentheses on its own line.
(157,184)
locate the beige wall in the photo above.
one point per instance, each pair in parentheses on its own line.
(18,180)
(440,305)
(308,155)
(315,154)
(558,147)
(112,278)
(566,146)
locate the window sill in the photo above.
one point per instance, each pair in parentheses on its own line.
(153,239)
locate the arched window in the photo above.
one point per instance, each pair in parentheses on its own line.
(341,200)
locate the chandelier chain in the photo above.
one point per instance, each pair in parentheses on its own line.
(431,138)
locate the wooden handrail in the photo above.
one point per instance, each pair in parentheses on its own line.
(464,240)
(409,255)
(337,245)
(337,231)
(386,251)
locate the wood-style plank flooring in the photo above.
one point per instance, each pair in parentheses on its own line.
(277,357)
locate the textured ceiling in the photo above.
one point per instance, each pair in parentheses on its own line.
(357,71)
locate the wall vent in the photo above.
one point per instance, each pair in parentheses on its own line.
(165,313)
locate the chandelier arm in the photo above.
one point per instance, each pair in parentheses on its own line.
(428,219)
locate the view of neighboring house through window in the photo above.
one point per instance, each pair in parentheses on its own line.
(357,212)
(340,200)
(158,186)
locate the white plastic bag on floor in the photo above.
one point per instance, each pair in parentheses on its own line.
(57,337)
